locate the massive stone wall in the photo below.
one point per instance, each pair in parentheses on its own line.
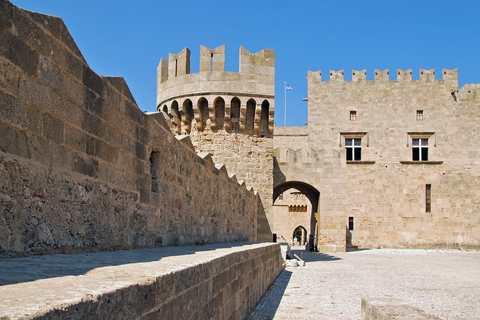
(385,190)
(226,114)
(82,168)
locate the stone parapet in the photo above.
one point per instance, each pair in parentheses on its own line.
(200,282)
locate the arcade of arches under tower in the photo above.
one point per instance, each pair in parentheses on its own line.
(230,113)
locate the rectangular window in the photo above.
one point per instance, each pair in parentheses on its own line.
(428,198)
(420,149)
(353,115)
(419,114)
(350,223)
(353,147)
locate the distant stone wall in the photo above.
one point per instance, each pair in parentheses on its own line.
(385,192)
(82,168)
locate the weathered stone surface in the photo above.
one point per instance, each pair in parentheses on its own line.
(167,283)
(385,192)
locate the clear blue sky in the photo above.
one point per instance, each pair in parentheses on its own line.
(128,38)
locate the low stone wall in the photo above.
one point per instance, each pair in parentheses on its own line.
(218,281)
(390,309)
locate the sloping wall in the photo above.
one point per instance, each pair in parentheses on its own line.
(82,168)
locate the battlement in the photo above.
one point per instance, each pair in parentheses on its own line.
(384,75)
(213,60)
(214,99)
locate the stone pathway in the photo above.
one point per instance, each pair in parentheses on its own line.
(442,283)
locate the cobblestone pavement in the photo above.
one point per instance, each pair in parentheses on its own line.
(442,283)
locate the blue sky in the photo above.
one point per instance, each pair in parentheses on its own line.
(128,38)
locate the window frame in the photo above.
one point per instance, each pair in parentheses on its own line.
(421,137)
(419,115)
(353,149)
(353,115)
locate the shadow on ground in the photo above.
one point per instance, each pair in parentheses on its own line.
(268,306)
(308,256)
(24,269)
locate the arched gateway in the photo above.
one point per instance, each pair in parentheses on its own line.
(313,195)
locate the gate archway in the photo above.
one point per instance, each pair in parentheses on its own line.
(313,196)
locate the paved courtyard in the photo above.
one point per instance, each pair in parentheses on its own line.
(441,283)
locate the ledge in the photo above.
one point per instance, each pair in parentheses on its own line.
(422,162)
(140,283)
(360,162)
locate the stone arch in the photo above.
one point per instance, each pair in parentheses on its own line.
(219,113)
(301,234)
(165,109)
(188,115)
(235,114)
(313,196)
(203,110)
(264,118)
(177,118)
(250,116)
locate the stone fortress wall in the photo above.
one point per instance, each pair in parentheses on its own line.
(82,168)
(385,191)
(226,114)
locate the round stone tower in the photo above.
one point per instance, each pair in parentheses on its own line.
(227,114)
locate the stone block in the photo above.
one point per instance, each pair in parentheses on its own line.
(64,109)
(61,157)
(13,110)
(85,165)
(105,151)
(52,76)
(34,92)
(75,138)
(92,124)
(39,148)
(18,52)
(133,112)
(92,81)
(8,142)
(70,64)
(53,128)
(95,104)
(9,77)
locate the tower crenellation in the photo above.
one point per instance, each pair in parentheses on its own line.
(216,100)
(384,75)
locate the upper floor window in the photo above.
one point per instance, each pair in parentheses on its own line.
(419,114)
(353,115)
(420,149)
(353,148)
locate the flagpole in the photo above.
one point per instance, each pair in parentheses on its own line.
(285,123)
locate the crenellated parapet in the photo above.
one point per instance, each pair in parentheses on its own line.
(450,76)
(214,99)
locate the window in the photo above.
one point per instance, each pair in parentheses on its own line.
(428,198)
(350,223)
(420,149)
(353,147)
(419,114)
(353,115)
(280,197)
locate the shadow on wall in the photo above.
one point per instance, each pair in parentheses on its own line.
(272,298)
(278,176)
(24,269)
